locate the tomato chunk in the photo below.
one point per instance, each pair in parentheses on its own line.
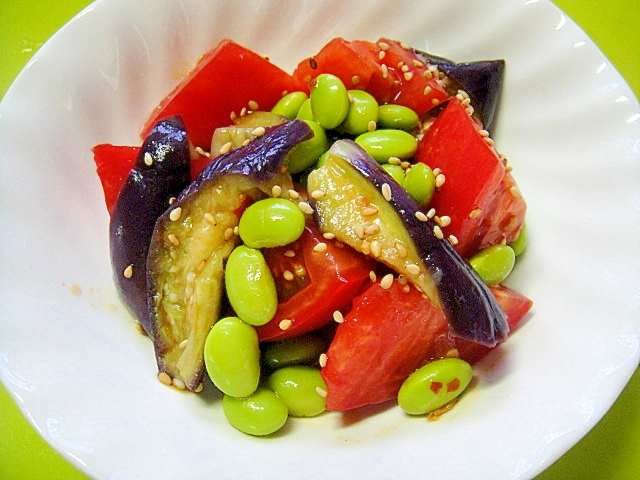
(113,163)
(225,80)
(473,172)
(312,284)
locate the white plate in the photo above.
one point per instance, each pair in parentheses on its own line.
(69,353)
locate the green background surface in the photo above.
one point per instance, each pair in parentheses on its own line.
(610,451)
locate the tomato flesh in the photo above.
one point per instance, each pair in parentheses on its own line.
(224,80)
(318,283)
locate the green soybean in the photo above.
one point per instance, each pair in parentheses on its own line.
(232,357)
(386,143)
(420,183)
(520,242)
(305,349)
(289,105)
(362,115)
(307,153)
(395,171)
(305,113)
(494,264)
(271,222)
(301,388)
(261,413)
(434,385)
(398,117)
(250,286)
(329,101)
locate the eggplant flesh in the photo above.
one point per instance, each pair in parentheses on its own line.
(161,171)
(353,181)
(482,80)
(193,238)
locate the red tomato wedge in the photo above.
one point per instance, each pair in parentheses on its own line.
(224,80)
(312,284)
(473,172)
(113,164)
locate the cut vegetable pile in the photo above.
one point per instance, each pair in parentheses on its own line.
(322,240)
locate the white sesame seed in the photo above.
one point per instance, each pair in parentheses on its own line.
(175,214)
(401,249)
(293,195)
(381,54)
(173,239)
(285,324)
(258,131)
(394,161)
(431,213)
(453,239)
(369,211)
(338,317)
(437,231)
(376,248)
(359,231)
(421,216)
(483,133)
(366,247)
(289,253)
(276,191)
(200,151)
(228,233)
(408,76)
(148,159)
(128,272)
(440,179)
(288,275)
(413,269)
(329,235)
(386,192)
(372,276)
(320,247)
(183,343)
(475,213)
(164,378)
(226,148)
(371,126)
(253,105)
(171,200)
(445,220)
(515,191)
(435,101)
(243,112)
(385,71)
(387,281)
(317,194)
(305,207)
(384,45)
(199,388)
(321,391)
(178,383)
(323,360)
(372,229)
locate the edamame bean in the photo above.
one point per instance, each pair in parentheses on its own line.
(305,349)
(520,243)
(289,105)
(362,115)
(386,143)
(434,385)
(305,113)
(420,183)
(308,152)
(398,117)
(329,101)
(271,222)
(250,287)
(232,357)
(261,413)
(494,264)
(395,171)
(301,388)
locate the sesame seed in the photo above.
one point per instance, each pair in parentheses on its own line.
(258,131)
(246,142)
(384,45)
(183,343)
(233,116)
(445,220)
(417,63)
(483,133)
(171,200)
(413,269)
(475,213)
(403,67)
(372,229)
(285,324)
(435,101)
(368,211)
(366,247)
(288,275)
(289,253)
(200,151)
(321,391)
(199,388)
(405,46)
(178,383)
(320,247)
(372,276)
(305,207)
(173,239)
(350,97)
(228,233)
(175,214)
(276,191)
(394,161)
(253,105)
(515,191)
(293,195)
(359,231)
(436,171)
(421,216)
(401,249)
(376,248)
(431,213)
(385,71)
(437,231)
(128,272)
(408,76)
(323,360)
(440,179)
(453,239)
(148,159)
(236,230)
(406,288)
(243,112)
(164,378)
(338,317)
(386,192)
(226,148)
(329,235)
(355,79)
(381,54)
(428,74)
(317,194)
(387,281)
(371,126)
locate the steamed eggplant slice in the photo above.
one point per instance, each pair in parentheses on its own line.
(367,210)
(161,172)
(192,240)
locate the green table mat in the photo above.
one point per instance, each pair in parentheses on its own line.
(610,451)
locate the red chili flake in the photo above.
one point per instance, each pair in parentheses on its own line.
(436,387)
(453,385)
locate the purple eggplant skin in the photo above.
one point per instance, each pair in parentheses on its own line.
(482,80)
(161,171)
(192,240)
(471,309)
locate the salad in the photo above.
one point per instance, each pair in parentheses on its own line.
(322,240)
